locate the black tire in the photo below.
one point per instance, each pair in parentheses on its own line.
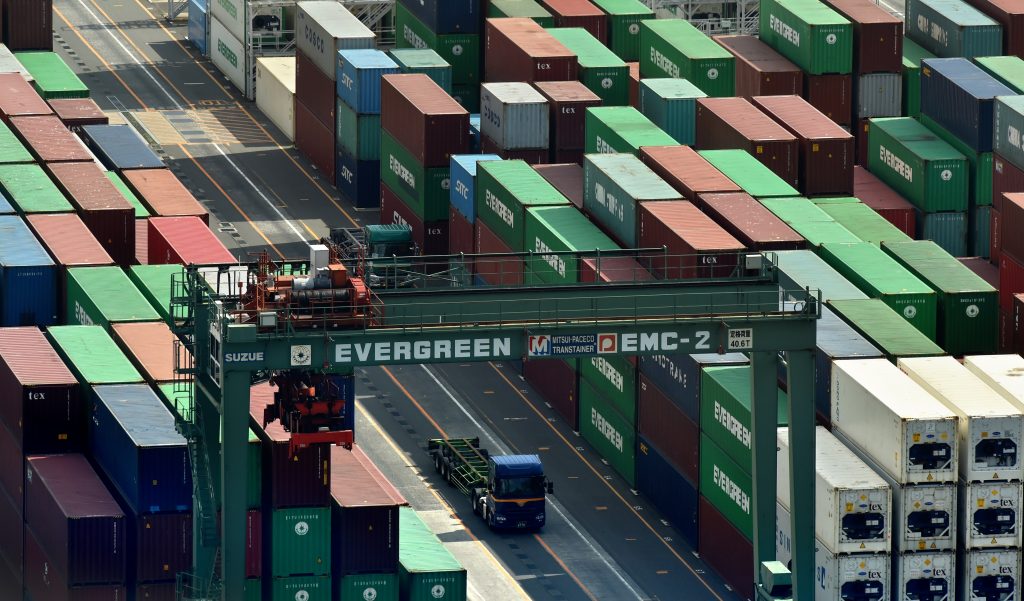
(437,462)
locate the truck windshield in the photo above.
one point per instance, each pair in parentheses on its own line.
(519,488)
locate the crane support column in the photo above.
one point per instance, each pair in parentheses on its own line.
(234,457)
(802,466)
(764,410)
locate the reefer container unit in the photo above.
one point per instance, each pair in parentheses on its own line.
(504,191)
(671,104)
(990,514)
(424,564)
(119,147)
(11,148)
(613,129)
(1009,70)
(521,50)
(185,240)
(324,28)
(568,102)
(952,28)
(877,36)
(614,187)
(862,220)
(725,411)
(988,572)
(1010,15)
(461,16)
(48,139)
(624,18)
(425,60)
(601,70)
(760,70)
(679,376)
(580,14)
(150,345)
(611,434)
(884,200)
(885,328)
(91,354)
(527,9)
(903,428)
(675,48)
(959,95)
(51,76)
(299,541)
(563,229)
(103,296)
(75,520)
(812,35)
(358,75)
(916,163)
(750,222)
(1008,123)
(514,116)
(686,171)
(19,99)
(275,91)
(671,491)
(164,194)
(102,207)
(28,277)
(752,176)
(730,123)
(1001,372)
(924,571)
(423,118)
(463,182)
(727,486)
(697,246)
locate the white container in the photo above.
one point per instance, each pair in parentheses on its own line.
(918,576)
(323,28)
(10,64)
(994,573)
(865,576)
(275,91)
(514,115)
(990,426)
(852,504)
(1004,373)
(231,14)
(229,57)
(990,514)
(904,429)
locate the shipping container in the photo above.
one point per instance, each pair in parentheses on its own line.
(672,493)
(617,129)
(102,207)
(357,135)
(725,549)
(862,221)
(44,583)
(12,538)
(532,156)
(51,76)
(884,200)
(426,190)
(49,139)
(199,26)
(28,24)
(19,99)
(582,14)
(423,118)
(514,116)
(9,64)
(634,85)
(358,181)
(185,240)
(980,164)
(28,277)
(812,35)
(357,587)
(1010,16)
(760,70)
(810,221)
(12,484)
(567,178)
(431,237)
(103,296)
(563,229)
(154,282)
(1006,177)
(312,588)
(521,50)
(747,220)
(314,90)
(679,376)
(424,564)
(69,242)
(324,28)
(614,378)
(163,194)
(663,424)
(600,69)
(556,382)
(275,91)
(983,269)
(686,171)
(524,9)
(5,206)
(460,50)
(150,346)
(752,176)
(727,486)
(949,28)
(76,112)
(1008,70)
(229,55)
(990,514)
(504,191)
(614,188)
(446,16)
(885,328)
(1000,373)
(425,60)
(877,36)
(878,95)
(498,271)
(1008,122)
(988,572)
(959,96)
(671,104)
(11,149)
(609,433)
(299,541)
(160,546)
(358,74)
(624,18)
(92,356)
(463,182)
(675,48)
(568,102)
(832,95)
(141,212)
(120,147)
(1012,212)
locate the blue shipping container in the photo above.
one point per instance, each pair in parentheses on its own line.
(671,104)
(120,147)
(347,388)
(678,376)
(133,440)
(198,25)
(981,231)
(801,269)
(959,96)
(358,74)
(474,133)
(462,190)
(358,181)
(948,230)
(28,277)
(447,16)
(5,206)
(669,490)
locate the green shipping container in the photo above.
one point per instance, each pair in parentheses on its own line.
(912,160)
(611,129)
(979,190)
(426,570)
(1007,69)
(11,148)
(968,320)
(1008,125)
(864,222)
(360,587)
(52,76)
(885,328)
(726,486)
(426,61)
(30,190)
(613,187)
(980,234)
(526,9)
(300,541)
(104,295)
(809,33)
(504,191)
(306,588)
(671,104)
(358,135)
(468,96)
(824,232)
(601,70)
(879,276)
(611,435)
(92,355)
(950,28)
(424,190)
(749,173)
(560,229)
(809,220)
(725,403)
(253,589)
(613,377)
(460,50)
(624,18)
(675,48)
(154,282)
(140,211)
(912,57)
(800,269)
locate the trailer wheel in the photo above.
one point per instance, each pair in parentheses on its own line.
(437,462)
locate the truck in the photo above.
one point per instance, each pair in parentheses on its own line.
(507,491)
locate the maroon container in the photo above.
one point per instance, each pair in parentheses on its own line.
(315,140)
(749,222)
(634,85)
(44,582)
(498,271)
(760,70)
(155,591)
(1005,331)
(1009,14)
(877,36)
(103,208)
(698,247)
(142,241)
(1011,281)
(302,481)
(725,549)
(76,112)
(613,269)
(735,123)
(460,233)
(568,101)
(423,118)
(884,200)
(11,583)
(431,237)
(521,50)
(686,171)
(315,89)
(1012,242)
(75,519)
(161,546)
(18,98)
(164,194)
(533,156)
(665,425)
(567,178)
(40,402)
(832,95)
(557,382)
(1006,177)
(70,243)
(860,135)
(12,468)
(49,140)
(28,25)
(995,243)
(12,532)
(983,269)
(364,515)
(253,542)
(826,150)
(579,13)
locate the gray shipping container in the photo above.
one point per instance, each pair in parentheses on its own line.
(879,95)
(614,187)
(322,28)
(514,115)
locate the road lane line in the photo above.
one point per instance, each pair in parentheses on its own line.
(110,69)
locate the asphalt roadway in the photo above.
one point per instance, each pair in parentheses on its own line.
(602,540)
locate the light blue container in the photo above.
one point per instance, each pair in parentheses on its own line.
(198,25)
(358,135)
(948,230)
(671,104)
(463,182)
(981,231)
(358,76)
(5,206)
(474,133)
(28,277)
(426,61)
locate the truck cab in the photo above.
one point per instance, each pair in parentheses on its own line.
(516,487)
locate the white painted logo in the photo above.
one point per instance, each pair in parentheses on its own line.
(243,357)
(82,316)
(634,28)
(972,310)
(784,30)
(423,351)
(909,311)
(446,184)
(370,594)
(302,596)
(946,175)
(457,50)
(896,163)
(301,354)
(606,83)
(606,429)
(302,528)
(437,592)
(712,73)
(662,62)
(830,39)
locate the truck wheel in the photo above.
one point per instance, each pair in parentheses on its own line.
(437,463)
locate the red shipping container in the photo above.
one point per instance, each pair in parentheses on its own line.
(567,156)
(884,200)
(28,25)
(1009,14)
(521,50)
(102,207)
(185,240)
(534,156)
(832,95)
(725,549)
(423,118)
(860,134)
(70,243)
(18,98)
(634,85)
(498,271)
(686,171)
(12,468)
(45,583)
(665,425)
(315,140)
(826,150)
(995,242)
(253,542)
(460,233)
(568,101)
(315,89)
(11,583)
(613,269)
(983,269)
(12,532)
(749,222)
(1006,177)
(431,237)
(49,140)
(579,13)
(557,383)
(156,591)
(142,241)
(567,178)
(76,112)
(1011,240)
(1011,281)
(150,347)
(877,36)
(163,194)
(736,123)
(162,544)
(697,246)
(760,70)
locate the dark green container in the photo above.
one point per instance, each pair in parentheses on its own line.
(461,51)
(426,61)
(749,173)
(300,541)
(467,95)
(427,571)
(154,282)
(11,148)
(30,190)
(611,434)
(951,28)
(885,328)
(52,76)
(912,57)
(614,185)
(979,191)
(253,589)
(560,229)
(863,222)
(1009,70)
(624,18)
(675,48)
(725,403)
(103,296)
(424,190)
(141,212)
(360,587)
(306,588)
(504,192)
(614,377)
(601,70)
(809,33)
(92,355)
(968,307)
(358,135)
(726,486)
(614,129)
(671,104)
(526,9)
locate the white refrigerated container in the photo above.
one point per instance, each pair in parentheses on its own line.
(1004,373)
(917,576)
(990,514)
(986,574)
